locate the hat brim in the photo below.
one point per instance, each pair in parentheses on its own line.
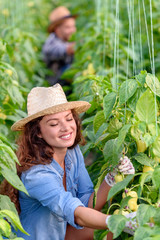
(54,24)
(78,106)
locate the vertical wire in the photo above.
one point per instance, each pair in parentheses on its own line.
(13,15)
(130,24)
(115,43)
(145,18)
(140,39)
(16,13)
(98,7)
(5,15)
(2,17)
(133,42)
(8,17)
(112,34)
(131,13)
(118,45)
(127,71)
(104,38)
(152,41)
(153,65)
(98,16)
(129,34)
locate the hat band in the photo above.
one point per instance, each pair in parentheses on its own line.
(56,23)
(68,16)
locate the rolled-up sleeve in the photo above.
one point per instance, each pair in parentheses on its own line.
(47,187)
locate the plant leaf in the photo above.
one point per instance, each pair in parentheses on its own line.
(111,152)
(9,150)
(122,134)
(102,137)
(5,227)
(146,109)
(116,224)
(99,119)
(119,186)
(144,177)
(5,203)
(156,147)
(13,179)
(127,90)
(152,238)
(144,159)
(108,104)
(156,177)
(88,120)
(11,215)
(15,95)
(142,232)
(157,216)
(114,125)
(144,213)
(87,147)
(153,83)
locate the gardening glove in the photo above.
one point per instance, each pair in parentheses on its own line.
(131,225)
(125,166)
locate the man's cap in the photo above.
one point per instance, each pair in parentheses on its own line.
(57,16)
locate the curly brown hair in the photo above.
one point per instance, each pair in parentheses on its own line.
(33,150)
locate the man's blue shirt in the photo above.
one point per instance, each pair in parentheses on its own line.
(55,56)
(48,208)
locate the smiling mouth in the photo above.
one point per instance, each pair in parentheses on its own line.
(68,136)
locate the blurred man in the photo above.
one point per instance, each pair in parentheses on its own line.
(58,52)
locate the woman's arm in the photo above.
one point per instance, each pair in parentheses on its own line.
(126,167)
(102,195)
(91,218)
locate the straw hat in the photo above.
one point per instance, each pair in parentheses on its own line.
(57,16)
(48,100)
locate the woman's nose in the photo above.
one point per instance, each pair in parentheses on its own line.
(64,126)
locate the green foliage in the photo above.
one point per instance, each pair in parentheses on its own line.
(21,68)
(127,90)
(108,103)
(146,108)
(119,186)
(116,224)
(8,212)
(130,117)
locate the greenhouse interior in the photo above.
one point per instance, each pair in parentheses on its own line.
(80,119)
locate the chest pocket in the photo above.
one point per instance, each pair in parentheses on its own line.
(57,217)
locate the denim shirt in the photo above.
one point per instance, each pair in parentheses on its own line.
(48,208)
(55,56)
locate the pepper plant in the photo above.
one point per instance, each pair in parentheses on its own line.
(126,122)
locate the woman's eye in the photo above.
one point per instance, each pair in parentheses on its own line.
(52,125)
(70,119)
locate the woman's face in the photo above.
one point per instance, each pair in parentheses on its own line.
(59,130)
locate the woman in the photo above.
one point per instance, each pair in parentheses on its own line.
(52,169)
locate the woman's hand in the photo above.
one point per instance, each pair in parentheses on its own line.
(125,166)
(131,224)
